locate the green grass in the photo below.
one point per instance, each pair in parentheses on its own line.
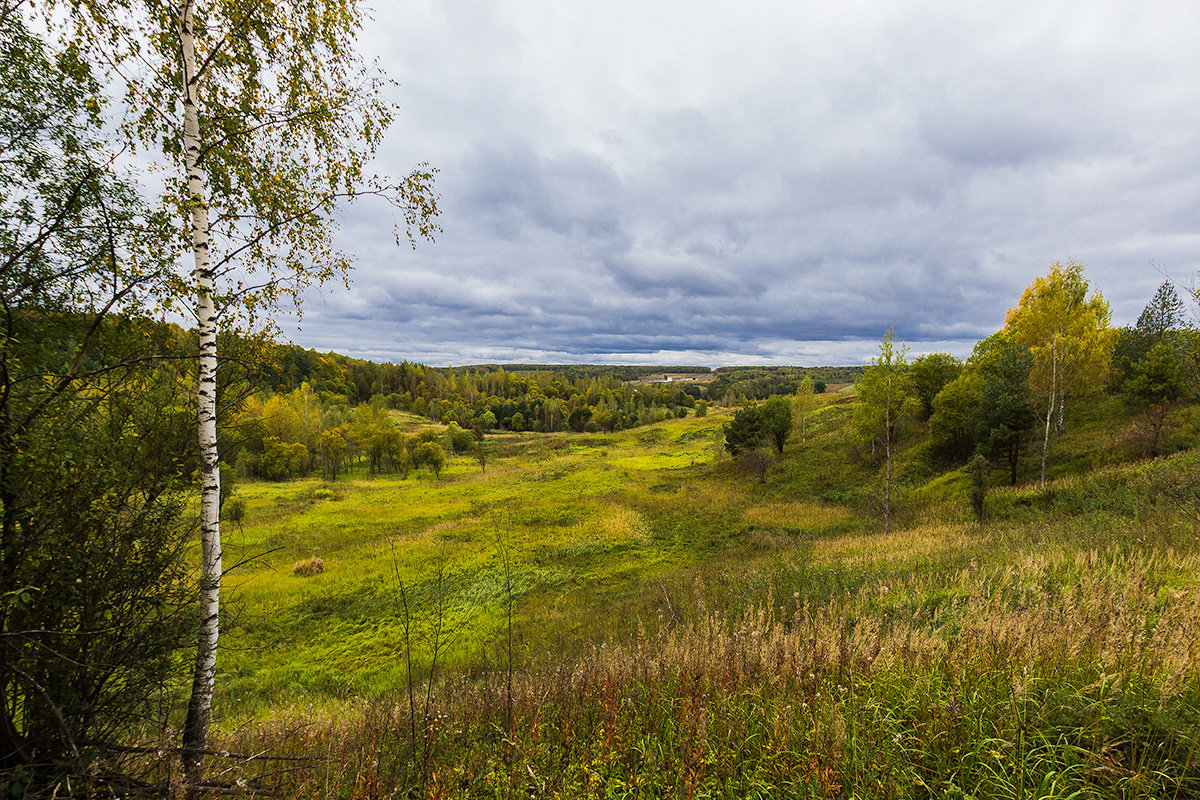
(585,519)
(681,629)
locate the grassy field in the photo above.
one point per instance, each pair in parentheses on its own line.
(679,629)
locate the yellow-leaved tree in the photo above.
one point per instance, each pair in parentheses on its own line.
(1068,332)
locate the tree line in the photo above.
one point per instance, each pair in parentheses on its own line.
(737,385)
(1011,398)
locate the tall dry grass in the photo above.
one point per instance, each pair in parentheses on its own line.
(1058,674)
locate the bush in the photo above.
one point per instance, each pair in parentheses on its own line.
(458,440)
(234,510)
(430,454)
(282,460)
(308,567)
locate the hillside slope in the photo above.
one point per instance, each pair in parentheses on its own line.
(680,628)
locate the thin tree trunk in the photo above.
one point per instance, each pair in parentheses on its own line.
(12,745)
(887,444)
(887,492)
(1046,438)
(1050,406)
(195,730)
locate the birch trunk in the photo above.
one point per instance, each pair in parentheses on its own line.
(195,731)
(887,443)
(1050,406)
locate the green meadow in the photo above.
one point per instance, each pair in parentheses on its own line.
(634,615)
(592,525)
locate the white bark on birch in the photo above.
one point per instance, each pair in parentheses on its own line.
(887,443)
(1051,404)
(195,731)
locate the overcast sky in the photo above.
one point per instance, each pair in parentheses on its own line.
(766,182)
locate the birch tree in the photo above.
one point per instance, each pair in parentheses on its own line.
(804,405)
(885,400)
(1068,332)
(89,455)
(262,119)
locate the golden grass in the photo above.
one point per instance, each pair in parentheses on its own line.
(898,546)
(613,523)
(1111,620)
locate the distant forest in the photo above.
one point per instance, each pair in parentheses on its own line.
(464,393)
(302,411)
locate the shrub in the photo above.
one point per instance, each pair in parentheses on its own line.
(458,440)
(234,510)
(430,454)
(308,567)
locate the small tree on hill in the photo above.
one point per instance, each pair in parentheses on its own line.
(929,374)
(1154,389)
(884,402)
(758,460)
(1007,414)
(458,439)
(744,431)
(775,420)
(978,469)
(1161,320)
(1067,331)
(430,454)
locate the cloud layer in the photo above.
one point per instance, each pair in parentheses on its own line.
(717,183)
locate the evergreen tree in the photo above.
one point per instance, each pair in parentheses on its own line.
(1154,389)
(1161,317)
(1007,414)
(744,431)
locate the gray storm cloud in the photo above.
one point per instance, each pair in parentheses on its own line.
(767,182)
